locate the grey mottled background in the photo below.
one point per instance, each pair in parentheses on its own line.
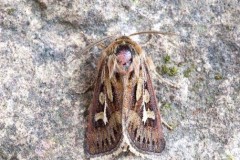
(43,73)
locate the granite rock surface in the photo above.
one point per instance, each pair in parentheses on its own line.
(45,76)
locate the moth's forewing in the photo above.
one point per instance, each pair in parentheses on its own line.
(104,129)
(144,128)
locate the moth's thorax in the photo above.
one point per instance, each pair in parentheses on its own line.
(124,56)
(124,50)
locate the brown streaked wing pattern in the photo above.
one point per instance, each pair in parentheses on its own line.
(104,129)
(143,117)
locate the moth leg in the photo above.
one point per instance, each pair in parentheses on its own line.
(166,124)
(102,46)
(170,83)
(152,68)
(89,88)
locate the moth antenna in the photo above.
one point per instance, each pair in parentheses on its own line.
(97,42)
(152,32)
(91,45)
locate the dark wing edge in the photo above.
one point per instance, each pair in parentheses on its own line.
(103,133)
(144,129)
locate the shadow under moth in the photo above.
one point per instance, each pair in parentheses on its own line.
(124,113)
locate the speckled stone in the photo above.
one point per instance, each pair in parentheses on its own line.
(44,74)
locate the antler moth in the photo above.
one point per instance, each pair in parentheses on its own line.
(124,111)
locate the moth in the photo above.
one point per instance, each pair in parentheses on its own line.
(123,113)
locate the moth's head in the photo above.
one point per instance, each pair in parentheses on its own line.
(125,49)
